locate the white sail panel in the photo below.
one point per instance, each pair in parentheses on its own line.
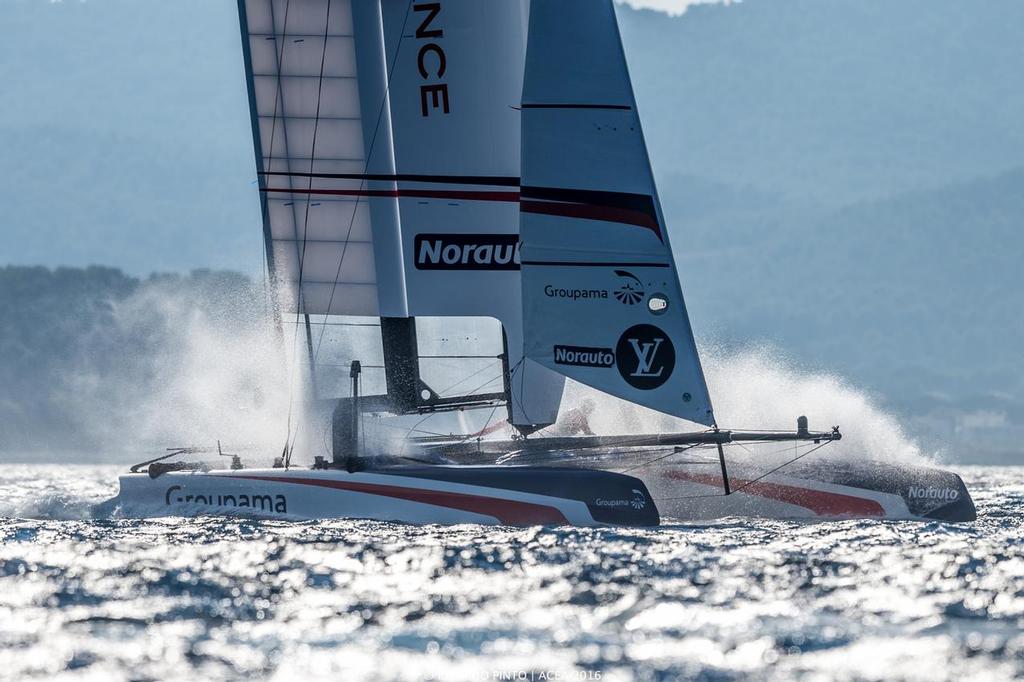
(315,152)
(602,301)
(454,92)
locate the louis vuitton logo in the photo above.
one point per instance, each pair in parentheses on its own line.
(646,352)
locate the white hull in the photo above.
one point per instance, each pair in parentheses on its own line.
(689,487)
(544,494)
(825,491)
(422,495)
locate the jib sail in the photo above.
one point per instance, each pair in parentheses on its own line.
(602,301)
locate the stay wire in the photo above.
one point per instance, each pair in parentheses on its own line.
(279,103)
(673,451)
(750,482)
(305,222)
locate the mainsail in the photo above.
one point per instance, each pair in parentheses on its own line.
(602,301)
(311,124)
(387,142)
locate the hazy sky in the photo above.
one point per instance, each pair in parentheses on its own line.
(126,135)
(113,105)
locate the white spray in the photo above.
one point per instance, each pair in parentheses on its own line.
(203,373)
(759,389)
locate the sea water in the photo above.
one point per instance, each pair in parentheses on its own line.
(214,598)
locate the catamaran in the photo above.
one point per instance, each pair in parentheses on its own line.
(428,168)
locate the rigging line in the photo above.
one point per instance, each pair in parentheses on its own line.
(491,380)
(486,424)
(511,397)
(279,101)
(305,221)
(406,429)
(784,464)
(415,427)
(752,481)
(464,379)
(762,455)
(673,451)
(366,165)
(522,379)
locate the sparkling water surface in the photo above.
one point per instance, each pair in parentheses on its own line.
(210,598)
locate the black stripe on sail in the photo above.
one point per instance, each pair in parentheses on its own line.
(622,107)
(495,180)
(595,264)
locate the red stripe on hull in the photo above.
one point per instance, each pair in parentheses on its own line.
(821,502)
(510,512)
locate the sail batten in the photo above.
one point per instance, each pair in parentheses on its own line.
(308,105)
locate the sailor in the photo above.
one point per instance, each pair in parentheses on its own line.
(577,420)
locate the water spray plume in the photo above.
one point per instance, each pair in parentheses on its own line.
(759,389)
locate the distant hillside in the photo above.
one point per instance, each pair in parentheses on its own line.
(91,357)
(926,279)
(916,297)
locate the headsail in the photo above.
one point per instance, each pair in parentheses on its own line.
(602,301)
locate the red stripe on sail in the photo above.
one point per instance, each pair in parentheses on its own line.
(511,512)
(608,214)
(821,502)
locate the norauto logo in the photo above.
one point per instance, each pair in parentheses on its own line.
(467,251)
(917,492)
(582,356)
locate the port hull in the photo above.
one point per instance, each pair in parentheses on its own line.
(509,495)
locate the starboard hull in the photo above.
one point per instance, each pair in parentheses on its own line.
(688,487)
(507,495)
(865,490)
